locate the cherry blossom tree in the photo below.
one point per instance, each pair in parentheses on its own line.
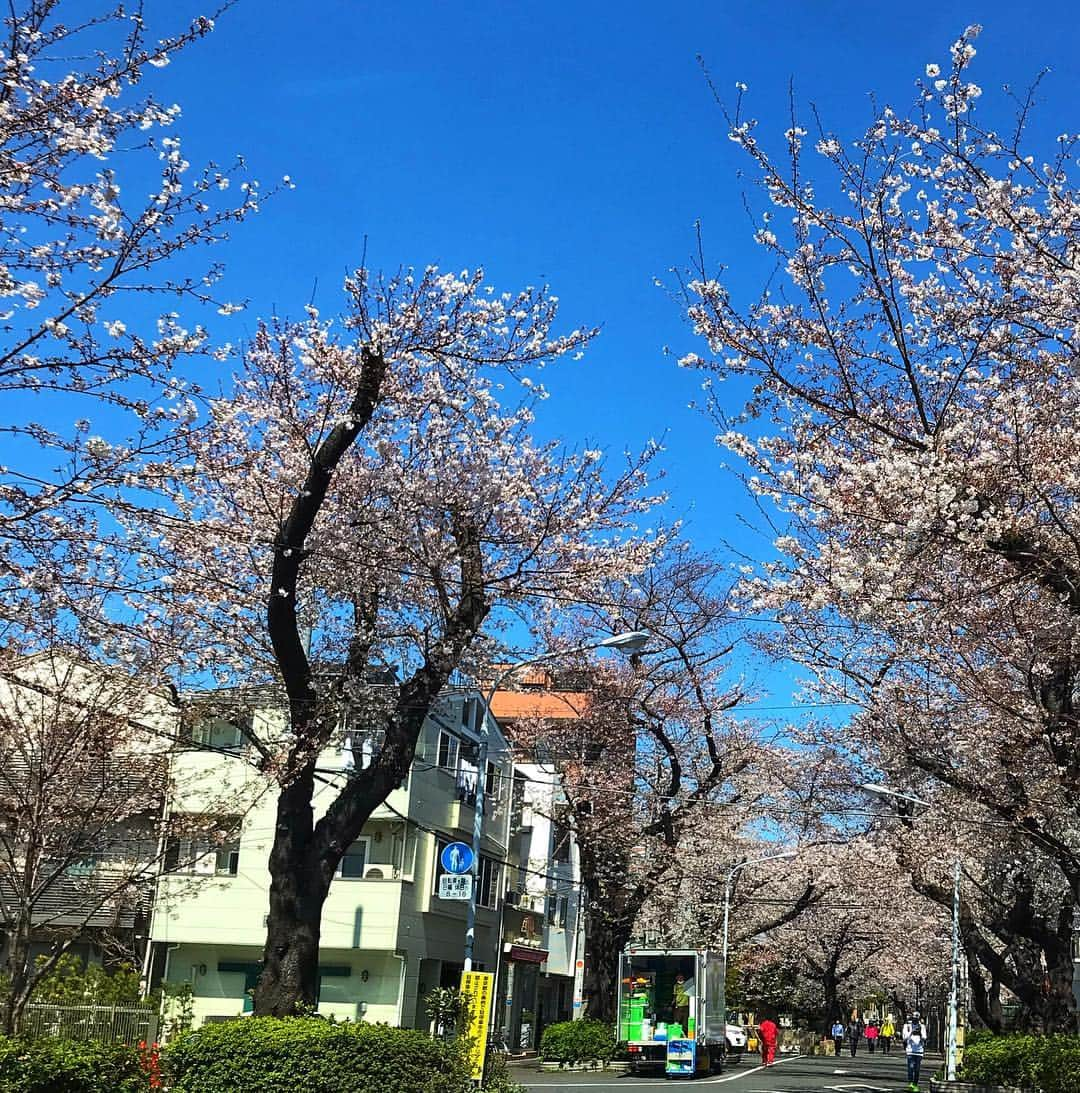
(909,432)
(362,498)
(100,216)
(658,772)
(866,936)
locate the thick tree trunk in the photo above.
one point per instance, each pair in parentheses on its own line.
(1058,1012)
(985,999)
(298,888)
(606,940)
(831,991)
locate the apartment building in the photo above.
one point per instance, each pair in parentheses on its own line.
(543,924)
(93,744)
(387,939)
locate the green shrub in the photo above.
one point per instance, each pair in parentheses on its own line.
(1048,1063)
(309,1055)
(578,1042)
(69,983)
(49,1065)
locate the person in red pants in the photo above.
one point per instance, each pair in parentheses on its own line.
(768,1033)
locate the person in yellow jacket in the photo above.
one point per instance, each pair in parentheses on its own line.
(888,1031)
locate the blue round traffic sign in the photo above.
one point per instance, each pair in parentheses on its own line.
(457,858)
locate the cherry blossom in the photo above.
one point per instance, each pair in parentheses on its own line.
(909,427)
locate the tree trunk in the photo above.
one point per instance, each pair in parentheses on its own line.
(20,978)
(831,991)
(607,937)
(298,888)
(1058,1012)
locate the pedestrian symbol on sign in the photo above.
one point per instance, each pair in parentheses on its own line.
(457,858)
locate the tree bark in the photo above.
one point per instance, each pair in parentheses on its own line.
(298,888)
(306,854)
(20,978)
(608,935)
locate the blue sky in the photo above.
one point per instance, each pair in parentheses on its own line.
(573,144)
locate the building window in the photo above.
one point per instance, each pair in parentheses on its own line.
(468,777)
(449,746)
(82,867)
(488,883)
(492,782)
(560,841)
(469,709)
(217,735)
(209,846)
(355,859)
(227,858)
(557,906)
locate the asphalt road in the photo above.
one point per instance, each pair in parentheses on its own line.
(791,1074)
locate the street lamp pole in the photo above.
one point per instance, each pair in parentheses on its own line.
(728,886)
(628,641)
(954,998)
(952,1045)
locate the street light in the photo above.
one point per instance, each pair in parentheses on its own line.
(952,1049)
(727,911)
(629,641)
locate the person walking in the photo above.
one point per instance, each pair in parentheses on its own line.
(888,1031)
(838,1036)
(768,1033)
(914,1037)
(871,1035)
(854,1033)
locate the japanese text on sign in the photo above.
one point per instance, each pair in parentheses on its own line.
(452,886)
(479,987)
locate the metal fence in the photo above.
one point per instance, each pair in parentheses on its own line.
(109,1024)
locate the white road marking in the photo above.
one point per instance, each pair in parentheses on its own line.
(626,1083)
(860,1086)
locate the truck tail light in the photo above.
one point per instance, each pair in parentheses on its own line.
(634,1049)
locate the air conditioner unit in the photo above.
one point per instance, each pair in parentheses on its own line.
(375,872)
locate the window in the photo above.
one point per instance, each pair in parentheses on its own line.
(469,709)
(468,778)
(492,782)
(488,884)
(440,845)
(82,867)
(217,735)
(227,858)
(208,846)
(560,841)
(354,860)
(557,906)
(359,747)
(449,746)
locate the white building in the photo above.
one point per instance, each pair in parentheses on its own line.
(542,922)
(387,939)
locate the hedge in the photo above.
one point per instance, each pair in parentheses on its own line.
(1050,1064)
(273,1055)
(578,1042)
(49,1065)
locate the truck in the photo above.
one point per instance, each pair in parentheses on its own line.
(648,1025)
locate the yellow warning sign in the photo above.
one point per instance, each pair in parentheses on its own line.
(479,987)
